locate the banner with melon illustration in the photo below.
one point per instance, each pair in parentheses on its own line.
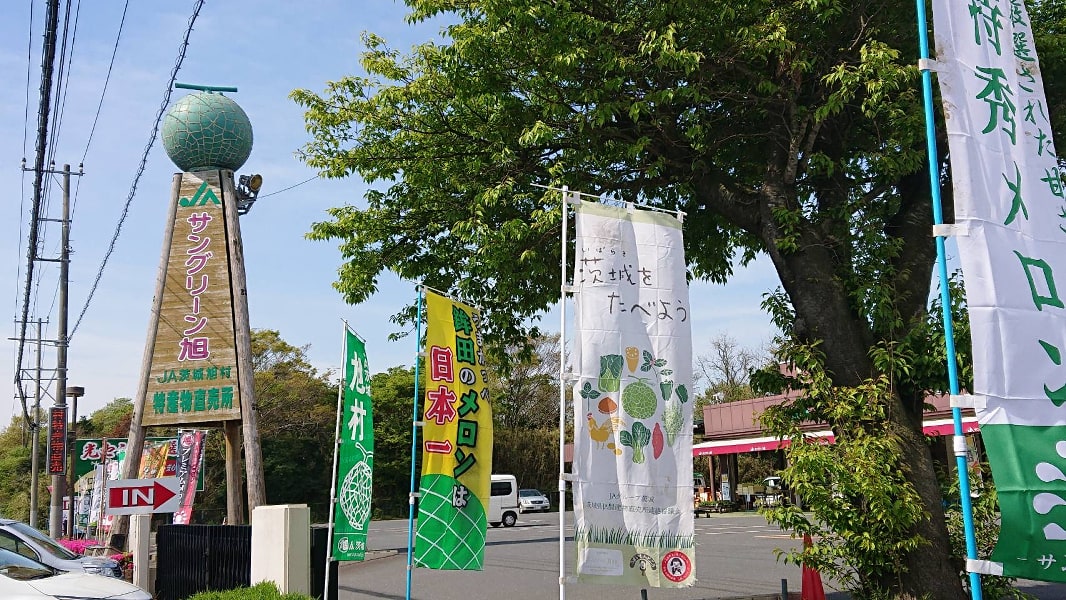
(457,441)
(633,414)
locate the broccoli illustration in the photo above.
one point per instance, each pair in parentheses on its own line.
(673,421)
(637,439)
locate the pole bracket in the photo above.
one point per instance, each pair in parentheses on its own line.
(927,64)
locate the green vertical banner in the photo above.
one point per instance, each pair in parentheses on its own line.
(355,461)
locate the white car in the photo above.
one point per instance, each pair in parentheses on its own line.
(532,501)
(27,541)
(23,578)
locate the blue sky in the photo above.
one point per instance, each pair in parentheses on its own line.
(266,49)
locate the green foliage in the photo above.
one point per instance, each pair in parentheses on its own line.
(984,509)
(111,421)
(526,393)
(864,508)
(531,455)
(790,127)
(266,590)
(393,393)
(15,463)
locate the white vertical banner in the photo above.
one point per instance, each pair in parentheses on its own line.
(1011,212)
(633,415)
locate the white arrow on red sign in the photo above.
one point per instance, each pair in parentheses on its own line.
(142,496)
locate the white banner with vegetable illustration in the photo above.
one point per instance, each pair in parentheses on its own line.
(633,431)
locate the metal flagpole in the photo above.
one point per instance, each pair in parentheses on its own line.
(563,382)
(336,451)
(414,446)
(959,440)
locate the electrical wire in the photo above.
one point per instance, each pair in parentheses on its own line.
(45,102)
(107,79)
(25,141)
(288,188)
(144,161)
(103,95)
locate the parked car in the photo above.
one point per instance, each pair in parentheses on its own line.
(22,578)
(532,501)
(503,501)
(27,541)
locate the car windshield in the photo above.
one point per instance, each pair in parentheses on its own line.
(529,493)
(19,567)
(51,546)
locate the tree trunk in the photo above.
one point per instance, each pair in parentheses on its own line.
(824,312)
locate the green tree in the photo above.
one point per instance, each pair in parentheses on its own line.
(112,421)
(297,408)
(393,393)
(15,471)
(525,393)
(784,127)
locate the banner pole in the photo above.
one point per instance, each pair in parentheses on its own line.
(414,445)
(945,299)
(563,381)
(336,451)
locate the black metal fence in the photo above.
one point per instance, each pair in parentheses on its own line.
(198,558)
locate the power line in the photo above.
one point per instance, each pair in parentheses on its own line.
(140,169)
(47,60)
(107,79)
(290,187)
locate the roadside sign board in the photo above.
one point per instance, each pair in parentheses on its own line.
(142,496)
(57,440)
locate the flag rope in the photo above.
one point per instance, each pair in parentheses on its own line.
(945,296)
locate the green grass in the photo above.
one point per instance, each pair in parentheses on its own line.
(266,590)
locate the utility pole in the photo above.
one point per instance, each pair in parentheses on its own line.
(55,507)
(35,467)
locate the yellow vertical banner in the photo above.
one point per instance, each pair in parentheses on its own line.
(456,441)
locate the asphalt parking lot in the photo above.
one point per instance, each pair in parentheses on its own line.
(735,559)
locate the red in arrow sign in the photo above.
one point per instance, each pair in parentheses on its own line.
(151,494)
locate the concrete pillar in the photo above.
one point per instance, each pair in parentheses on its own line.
(140,544)
(281,547)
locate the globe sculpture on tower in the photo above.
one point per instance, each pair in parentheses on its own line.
(205,131)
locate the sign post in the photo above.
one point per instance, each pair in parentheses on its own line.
(142,496)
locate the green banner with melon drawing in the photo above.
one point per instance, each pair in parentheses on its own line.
(456,441)
(355,459)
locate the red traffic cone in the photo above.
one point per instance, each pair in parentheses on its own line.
(811,582)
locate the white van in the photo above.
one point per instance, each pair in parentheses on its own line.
(503,501)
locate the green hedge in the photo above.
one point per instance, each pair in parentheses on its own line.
(262,591)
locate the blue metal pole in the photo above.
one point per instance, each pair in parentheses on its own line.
(414,446)
(945,301)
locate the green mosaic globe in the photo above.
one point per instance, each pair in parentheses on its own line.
(205,131)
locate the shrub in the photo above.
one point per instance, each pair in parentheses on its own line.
(266,590)
(77,546)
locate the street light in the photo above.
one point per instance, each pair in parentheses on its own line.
(248,187)
(73,392)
